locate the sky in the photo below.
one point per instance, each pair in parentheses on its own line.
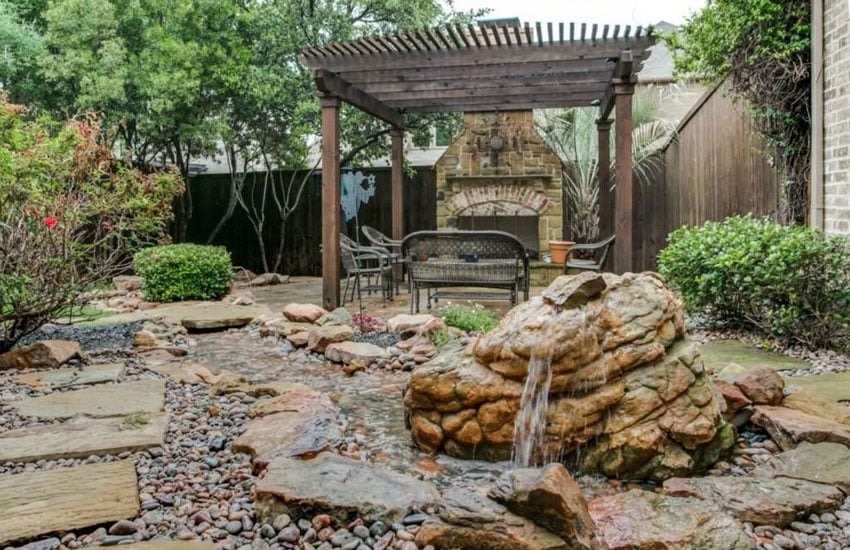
(622,12)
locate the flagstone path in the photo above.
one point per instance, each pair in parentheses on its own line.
(122,399)
(68,377)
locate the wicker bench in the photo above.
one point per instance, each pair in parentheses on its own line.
(443,261)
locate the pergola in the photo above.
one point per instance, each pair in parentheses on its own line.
(490,66)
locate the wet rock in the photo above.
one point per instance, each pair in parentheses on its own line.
(145,339)
(733,397)
(817,462)
(628,390)
(642,520)
(349,352)
(468,520)
(299,339)
(777,501)
(811,403)
(306,424)
(339,316)
(761,385)
(340,487)
(320,338)
(551,499)
(47,354)
(788,427)
(123,527)
(303,313)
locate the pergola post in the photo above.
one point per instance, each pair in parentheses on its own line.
(606,196)
(397,188)
(623,195)
(330,203)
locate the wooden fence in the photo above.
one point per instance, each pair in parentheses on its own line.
(713,170)
(302,256)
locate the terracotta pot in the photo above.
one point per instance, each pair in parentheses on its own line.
(558,250)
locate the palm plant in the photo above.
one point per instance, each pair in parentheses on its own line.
(571,133)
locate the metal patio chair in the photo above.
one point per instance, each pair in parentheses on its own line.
(599,251)
(393,246)
(363,262)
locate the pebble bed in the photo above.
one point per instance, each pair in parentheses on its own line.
(197,488)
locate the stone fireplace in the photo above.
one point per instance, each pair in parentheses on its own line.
(498,174)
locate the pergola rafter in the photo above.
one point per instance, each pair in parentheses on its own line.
(492,66)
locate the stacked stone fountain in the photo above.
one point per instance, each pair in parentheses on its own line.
(628,397)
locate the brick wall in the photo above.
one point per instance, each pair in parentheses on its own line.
(836,22)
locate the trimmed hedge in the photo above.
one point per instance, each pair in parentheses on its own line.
(789,281)
(184,272)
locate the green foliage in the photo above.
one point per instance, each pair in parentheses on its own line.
(791,282)
(71,216)
(469,318)
(184,272)
(763,47)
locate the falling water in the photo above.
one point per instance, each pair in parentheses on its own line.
(530,424)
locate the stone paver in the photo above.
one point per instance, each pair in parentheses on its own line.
(834,386)
(819,462)
(221,316)
(789,427)
(83,437)
(121,399)
(720,354)
(36,503)
(61,378)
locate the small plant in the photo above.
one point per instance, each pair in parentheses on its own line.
(469,318)
(791,282)
(440,337)
(135,421)
(368,323)
(184,272)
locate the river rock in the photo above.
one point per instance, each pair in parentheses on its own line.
(47,354)
(339,316)
(468,520)
(777,501)
(818,462)
(340,487)
(761,385)
(350,352)
(733,397)
(814,404)
(642,520)
(299,423)
(410,324)
(629,396)
(551,499)
(303,313)
(788,427)
(299,339)
(320,338)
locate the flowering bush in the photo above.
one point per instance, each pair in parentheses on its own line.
(71,215)
(368,323)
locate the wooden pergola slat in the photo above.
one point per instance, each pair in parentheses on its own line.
(493,66)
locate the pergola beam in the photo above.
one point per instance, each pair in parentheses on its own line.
(332,85)
(624,73)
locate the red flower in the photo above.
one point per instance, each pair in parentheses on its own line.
(50,221)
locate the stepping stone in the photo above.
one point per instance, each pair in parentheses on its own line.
(788,427)
(122,399)
(221,316)
(339,486)
(37,503)
(642,519)
(61,378)
(762,501)
(83,437)
(815,404)
(834,386)
(720,354)
(348,352)
(817,462)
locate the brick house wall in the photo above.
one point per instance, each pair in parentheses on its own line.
(836,114)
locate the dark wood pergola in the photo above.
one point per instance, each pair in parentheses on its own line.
(490,66)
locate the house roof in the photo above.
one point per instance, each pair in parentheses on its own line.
(490,66)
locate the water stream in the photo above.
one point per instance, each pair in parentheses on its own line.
(530,426)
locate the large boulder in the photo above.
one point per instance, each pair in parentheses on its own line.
(628,396)
(46,354)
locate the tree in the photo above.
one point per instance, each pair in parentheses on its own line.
(572,135)
(22,46)
(763,48)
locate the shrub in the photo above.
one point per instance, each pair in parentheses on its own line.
(184,272)
(789,281)
(71,215)
(469,318)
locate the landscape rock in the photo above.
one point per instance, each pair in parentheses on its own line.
(468,520)
(299,423)
(814,404)
(551,499)
(761,385)
(817,462)
(267,279)
(145,339)
(282,327)
(220,316)
(122,399)
(765,501)
(733,397)
(47,354)
(320,338)
(343,488)
(299,339)
(789,427)
(351,352)
(186,373)
(127,283)
(643,520)
(412,324)
(73,376)
(629,396)
(339,316)
(303,313)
